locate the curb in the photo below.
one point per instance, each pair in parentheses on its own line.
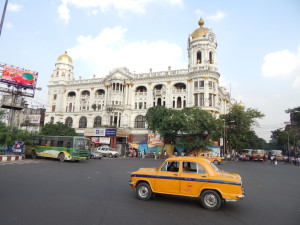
(9,158)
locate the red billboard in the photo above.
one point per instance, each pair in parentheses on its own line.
(18,76)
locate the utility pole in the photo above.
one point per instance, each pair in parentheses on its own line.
(3,15)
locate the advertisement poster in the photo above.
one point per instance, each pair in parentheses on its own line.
(104,140)
(18,146)
(17,76)
(155,139)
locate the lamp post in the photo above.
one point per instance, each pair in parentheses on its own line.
(224,135)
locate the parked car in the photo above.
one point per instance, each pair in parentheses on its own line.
(191,177)
(96,155)
(107,151)
(215,159)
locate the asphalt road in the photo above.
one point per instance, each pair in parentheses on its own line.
(94,192)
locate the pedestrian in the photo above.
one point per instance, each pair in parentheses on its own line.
(228,157)
(272,159)
(285,159)
(265,159)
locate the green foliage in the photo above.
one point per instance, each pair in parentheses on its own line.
(191,127)
(10,134)
(242,136)
(58,129)
(282,139)
(2,113)
(295,112)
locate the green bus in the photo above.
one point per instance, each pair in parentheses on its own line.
(71,148)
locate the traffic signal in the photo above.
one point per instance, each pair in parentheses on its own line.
(231,127)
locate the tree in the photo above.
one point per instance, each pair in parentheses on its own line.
(242,135)
(295,114)
(191,128)
(58,129)
(10,134)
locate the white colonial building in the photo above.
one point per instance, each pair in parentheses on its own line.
(121,98)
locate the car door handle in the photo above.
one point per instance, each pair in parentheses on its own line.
(203,176)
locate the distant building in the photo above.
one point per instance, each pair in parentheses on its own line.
(32,119)
(121,98)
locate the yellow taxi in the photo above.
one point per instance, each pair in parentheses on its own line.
(215,159)
(191,177)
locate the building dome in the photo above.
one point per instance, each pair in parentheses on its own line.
(201,31)
(65,58)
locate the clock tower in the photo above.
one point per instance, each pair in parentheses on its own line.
(202,46)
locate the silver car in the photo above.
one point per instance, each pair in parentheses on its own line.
(96,155)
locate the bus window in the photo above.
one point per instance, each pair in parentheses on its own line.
(53,143)
(60,143)
(36,142)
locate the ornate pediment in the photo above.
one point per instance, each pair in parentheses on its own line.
(118,74)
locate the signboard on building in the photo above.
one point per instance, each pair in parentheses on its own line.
(18,76)
(110,132)
(34,118)
(104,140)
(100,140)
(99,132)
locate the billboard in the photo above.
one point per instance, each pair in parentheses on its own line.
(17,76)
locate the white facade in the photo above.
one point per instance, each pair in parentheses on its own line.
(121,98)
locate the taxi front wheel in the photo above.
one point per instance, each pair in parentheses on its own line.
(143,191)
(211,200)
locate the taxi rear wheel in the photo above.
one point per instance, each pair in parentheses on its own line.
(216,162)
(143,191)
(211,200)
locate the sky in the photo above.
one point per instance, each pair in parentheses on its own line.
(258,51)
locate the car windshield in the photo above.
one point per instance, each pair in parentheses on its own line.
(215,167)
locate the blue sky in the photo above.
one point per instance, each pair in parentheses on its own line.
(258,50)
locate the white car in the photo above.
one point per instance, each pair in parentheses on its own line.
(108,152)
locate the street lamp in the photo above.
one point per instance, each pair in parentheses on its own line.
(224,135)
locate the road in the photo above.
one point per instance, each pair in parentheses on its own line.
(94,192)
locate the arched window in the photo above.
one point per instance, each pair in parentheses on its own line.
(69,122)
(83,122)
(179,102)
(159,101)
(97,121)
(199,57)
(211,61)
(139,122)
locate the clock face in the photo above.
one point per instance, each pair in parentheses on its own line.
(211,38)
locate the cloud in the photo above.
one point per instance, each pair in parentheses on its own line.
(109,50)
(97,6)
(14,7)
(217,16)
(64,13)
(283,64)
